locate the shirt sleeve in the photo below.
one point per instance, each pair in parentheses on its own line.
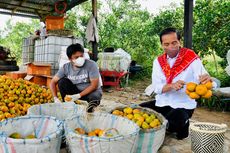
(158,78)
(198,69)
(93,71)
(61,72)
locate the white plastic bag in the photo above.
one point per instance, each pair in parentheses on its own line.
(48,132)
(117,61)
(126,59)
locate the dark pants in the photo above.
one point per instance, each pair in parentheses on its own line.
(66,87)
(178,119)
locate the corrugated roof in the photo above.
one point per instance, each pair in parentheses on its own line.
(33,8)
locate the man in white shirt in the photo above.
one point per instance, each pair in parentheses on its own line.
(171,71)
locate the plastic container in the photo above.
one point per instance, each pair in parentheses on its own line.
(48,50)
(54,22)
(28,50)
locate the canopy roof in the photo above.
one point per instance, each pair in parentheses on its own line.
(33,8)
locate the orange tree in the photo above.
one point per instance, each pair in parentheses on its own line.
(211,32)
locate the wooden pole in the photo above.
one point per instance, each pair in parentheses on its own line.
(188,23)
(94,43)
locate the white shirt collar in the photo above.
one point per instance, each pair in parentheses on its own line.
(169,58)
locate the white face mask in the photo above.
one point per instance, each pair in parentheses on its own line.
(79,62)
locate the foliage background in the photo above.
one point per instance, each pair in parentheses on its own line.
(125,25)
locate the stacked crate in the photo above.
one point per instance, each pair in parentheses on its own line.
(28,50)
(48,50)
(39,73)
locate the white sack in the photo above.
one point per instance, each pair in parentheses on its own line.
(61,111)
(48,131)
(123,143)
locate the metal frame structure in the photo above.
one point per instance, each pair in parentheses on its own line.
(33,8)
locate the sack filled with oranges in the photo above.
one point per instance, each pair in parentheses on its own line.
(196,91)
(152,124)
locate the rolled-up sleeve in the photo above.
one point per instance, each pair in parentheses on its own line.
(158,78)
(198,69)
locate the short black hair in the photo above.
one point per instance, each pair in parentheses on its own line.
(71,49)
(168,31)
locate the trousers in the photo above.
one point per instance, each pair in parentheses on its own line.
(66,87)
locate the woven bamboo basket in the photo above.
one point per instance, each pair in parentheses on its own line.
(207,137)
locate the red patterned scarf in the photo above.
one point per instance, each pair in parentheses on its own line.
(184,59)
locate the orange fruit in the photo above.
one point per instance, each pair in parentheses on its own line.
(130,116)
(7,115)
(191,86)
(136,111)
(201,89)
(101,133)
(67,98)
(91,134)
(128,110)
(208,85)
(4,108)
(187,92)
(11,104)
(80,131)
(140,118)
(208,94)
(97,131)
(194,95)
(29,91)
(116,112)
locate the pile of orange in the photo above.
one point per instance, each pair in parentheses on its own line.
(143,119)
(16,96)
(96,132)
(196,91)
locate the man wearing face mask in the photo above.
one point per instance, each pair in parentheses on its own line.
(79,79)
(171,71)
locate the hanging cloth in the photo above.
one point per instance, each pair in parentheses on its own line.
(91,30)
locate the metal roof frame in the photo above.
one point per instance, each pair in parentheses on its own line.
(33,8)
